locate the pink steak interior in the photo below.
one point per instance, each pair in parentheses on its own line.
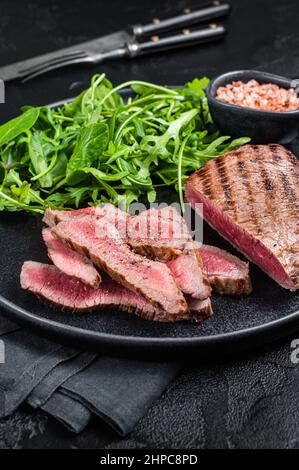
(248,245)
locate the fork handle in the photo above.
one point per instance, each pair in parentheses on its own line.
(188,17)
(185,38)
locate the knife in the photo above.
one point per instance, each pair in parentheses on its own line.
(126,43)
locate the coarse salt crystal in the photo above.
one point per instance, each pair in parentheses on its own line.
(266,96)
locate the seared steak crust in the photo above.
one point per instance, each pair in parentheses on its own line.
(251,196)
(200,308)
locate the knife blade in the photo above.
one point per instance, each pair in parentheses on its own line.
(102,45)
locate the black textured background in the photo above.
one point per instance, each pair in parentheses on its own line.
(246,402)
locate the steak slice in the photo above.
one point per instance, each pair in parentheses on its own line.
(227,274)
(163,234)
(158,233)
(251,196)
(102,243)
(62,290)
(53,217)
(69,261)
(116,216)
(189,275)
(59,289)
(200,307)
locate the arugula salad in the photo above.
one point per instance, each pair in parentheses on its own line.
(103,148)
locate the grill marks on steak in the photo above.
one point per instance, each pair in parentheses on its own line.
(102,243)
(69,261)
(59,289)
(227,274)
(251,196)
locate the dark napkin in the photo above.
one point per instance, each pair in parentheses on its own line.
(28,359)
(69,412)
(120,391)
(71,386)
(52,381)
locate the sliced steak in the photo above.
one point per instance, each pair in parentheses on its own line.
(163,234)
(53,217)
(69,261)
(102,243)
(189,276)
(155,233)
(158,233)
(59,289)
(227,274)
(251,196)
(200,307)
(113,214)
(62,290)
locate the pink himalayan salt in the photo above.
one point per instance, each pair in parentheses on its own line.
(266,96)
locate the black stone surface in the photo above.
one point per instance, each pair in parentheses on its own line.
(248,401)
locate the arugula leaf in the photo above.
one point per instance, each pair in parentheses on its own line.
(198,86)
(91,142)
(12,129)
(101,176)
(39,152)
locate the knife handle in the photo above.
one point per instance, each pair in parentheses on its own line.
(187,18)
(186,38)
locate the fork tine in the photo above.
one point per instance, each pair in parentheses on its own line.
(43,70)
(48,63)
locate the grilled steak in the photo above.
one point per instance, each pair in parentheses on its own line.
(53,217)
(251,196)
(200,308)
(189,276)
(161,234)
(69,261)
(113,214)
(227,274)
(158,233)
(102,243)
(61,290)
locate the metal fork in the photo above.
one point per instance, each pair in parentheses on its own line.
(79,57)
(136,40)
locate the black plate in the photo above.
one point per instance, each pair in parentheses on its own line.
(269,313)
(238,324)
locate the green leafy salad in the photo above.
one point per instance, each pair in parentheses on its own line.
(104,148)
